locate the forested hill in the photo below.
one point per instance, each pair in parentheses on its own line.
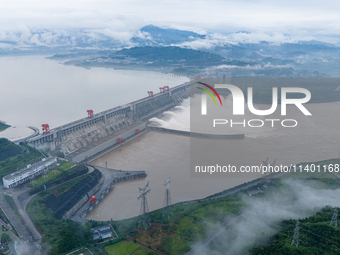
(316,237)
(14,157)
(8,149)
(170,54)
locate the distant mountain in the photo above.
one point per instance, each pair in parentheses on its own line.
(170,55)
(152,35)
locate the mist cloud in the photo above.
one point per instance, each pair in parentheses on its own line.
(91,22)
(260,220)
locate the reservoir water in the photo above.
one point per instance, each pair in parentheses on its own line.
(35,90)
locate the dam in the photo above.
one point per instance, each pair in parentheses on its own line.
(85,139)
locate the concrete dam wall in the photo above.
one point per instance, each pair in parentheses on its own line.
(81,139)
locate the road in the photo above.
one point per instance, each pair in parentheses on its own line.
(26,238)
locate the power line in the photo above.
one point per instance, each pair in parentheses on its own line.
(167,198)
(144,209)
(334,220)
(296,234)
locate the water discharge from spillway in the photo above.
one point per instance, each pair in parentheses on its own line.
(178,119)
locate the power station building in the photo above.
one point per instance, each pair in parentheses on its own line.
(101,233)
(30,172)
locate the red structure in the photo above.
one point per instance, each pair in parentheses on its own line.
(45,128)
(90,113)
(150,93)
(161,89)
(120,140)
(166,88)
(92,200)
(198,77)
(137,130)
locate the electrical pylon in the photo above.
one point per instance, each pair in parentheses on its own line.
(167,198)
(296,234)
(334,220)
(144,209)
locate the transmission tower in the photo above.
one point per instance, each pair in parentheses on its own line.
(144,209)
(296,234)
(334,220)
(167,198)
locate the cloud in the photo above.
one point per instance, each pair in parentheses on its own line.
(261,218)
(47,22)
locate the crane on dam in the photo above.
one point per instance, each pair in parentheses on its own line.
(144,209)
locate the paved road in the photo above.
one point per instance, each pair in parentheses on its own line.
(25,237)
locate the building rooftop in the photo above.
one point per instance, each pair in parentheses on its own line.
(28,168)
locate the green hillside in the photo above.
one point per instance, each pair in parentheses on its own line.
(3,126)
(316,236)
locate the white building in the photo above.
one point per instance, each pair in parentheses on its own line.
(102,232)
(30,172)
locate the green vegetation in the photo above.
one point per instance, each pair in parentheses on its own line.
(317,236)
(5,238)
(3,126)
(52,174)
(168,55)
(15,157)
(8,149)
(59,178)
(122,248)
(59,235)
(66,165)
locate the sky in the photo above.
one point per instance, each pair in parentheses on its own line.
(120,20)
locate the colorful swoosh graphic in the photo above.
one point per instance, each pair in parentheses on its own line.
(209,94)
(208,86)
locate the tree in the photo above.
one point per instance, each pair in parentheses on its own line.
(4,238)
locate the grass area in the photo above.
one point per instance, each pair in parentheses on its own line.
(65,165)
(185,226)
(62,176)
(122,248)
(50,175)
(3,126)
(144,251)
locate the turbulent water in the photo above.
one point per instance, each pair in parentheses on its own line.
(164,155)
